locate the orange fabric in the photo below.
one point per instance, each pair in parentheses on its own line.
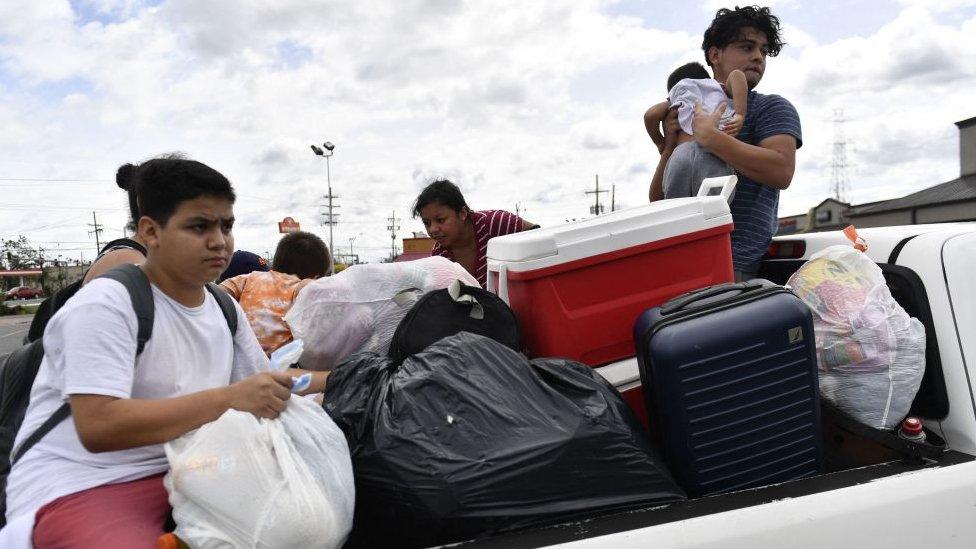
(851,233)
(170,541)
(265,298)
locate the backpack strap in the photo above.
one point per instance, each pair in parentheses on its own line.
(57,417)
(226,303)
(140,293)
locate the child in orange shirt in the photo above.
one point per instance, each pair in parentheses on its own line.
(266,296)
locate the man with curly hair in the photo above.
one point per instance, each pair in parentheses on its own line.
(763,154)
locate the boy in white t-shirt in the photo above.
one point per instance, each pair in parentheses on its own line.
(95,480)
(690,87)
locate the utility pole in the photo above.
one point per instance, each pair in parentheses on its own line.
(613,198)
(597,209)
(96,228)
(838,165)
(329,217)
(393,228)
(518,209)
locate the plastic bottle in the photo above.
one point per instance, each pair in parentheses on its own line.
(911,430)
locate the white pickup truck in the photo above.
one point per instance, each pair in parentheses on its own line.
(887,504)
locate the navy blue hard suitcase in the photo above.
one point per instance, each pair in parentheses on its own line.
(730,384)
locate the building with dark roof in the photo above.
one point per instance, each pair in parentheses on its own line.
(950,201)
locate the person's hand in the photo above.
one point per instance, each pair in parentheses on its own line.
(263,395)
(705,124)
(672,128)
(734,125)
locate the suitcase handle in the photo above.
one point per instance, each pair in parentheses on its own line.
(678,303)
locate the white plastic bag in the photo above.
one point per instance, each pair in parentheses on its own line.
(871,354)
(243,482)
(358,309)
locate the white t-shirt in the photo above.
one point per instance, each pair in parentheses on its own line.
(689,91)
(90,346)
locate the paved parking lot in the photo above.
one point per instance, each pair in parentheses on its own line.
(12,332)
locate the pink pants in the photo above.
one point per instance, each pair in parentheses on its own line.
(129,514)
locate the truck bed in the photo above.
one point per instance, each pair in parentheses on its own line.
(618,524)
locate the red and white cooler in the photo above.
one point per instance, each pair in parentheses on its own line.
(578,288)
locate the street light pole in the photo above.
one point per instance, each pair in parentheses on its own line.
(328,180)
(326,151)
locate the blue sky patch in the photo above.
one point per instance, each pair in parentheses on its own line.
(55,92)
(292,54)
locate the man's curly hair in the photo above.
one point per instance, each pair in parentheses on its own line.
(728,24)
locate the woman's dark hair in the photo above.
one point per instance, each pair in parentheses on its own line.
(303,255)
(158,186)
(728,24)
(443,192)
(689,70)
(125,179)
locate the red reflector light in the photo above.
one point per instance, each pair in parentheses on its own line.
(786,249)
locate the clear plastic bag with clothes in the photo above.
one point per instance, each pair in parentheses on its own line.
(358,309)
(870,352)
(244,482)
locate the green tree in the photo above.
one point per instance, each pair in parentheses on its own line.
(19,254)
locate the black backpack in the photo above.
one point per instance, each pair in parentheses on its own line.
(459,308)
(20,369)
(52,304)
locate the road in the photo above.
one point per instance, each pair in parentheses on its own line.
(22,302)
(12,332)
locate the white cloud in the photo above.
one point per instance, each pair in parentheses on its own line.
(712,6)
(516,101)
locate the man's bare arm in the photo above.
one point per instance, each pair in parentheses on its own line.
(107,424)
(771,162)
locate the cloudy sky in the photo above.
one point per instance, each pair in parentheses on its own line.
(518,102)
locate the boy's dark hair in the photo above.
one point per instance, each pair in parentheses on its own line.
(443,192)
(161,184)
(689,70)
(728,24)
(303,255)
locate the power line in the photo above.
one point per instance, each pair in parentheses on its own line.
(34,207)
(45,180)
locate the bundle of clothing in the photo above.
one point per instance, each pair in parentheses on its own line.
(871,354)
(358,309)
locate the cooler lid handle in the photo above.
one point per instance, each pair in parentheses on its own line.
(718,186)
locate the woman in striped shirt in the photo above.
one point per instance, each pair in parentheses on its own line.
(462,234)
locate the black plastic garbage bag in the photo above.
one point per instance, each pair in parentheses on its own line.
(469,438)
